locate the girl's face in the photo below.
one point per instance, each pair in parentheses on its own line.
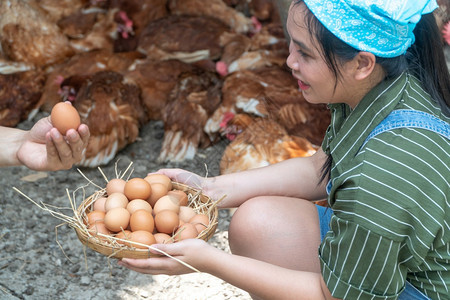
(308,66)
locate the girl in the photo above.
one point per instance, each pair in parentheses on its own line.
(383,166)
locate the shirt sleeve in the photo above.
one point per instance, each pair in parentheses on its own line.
(357,263)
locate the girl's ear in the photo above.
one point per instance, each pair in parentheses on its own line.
(365,64)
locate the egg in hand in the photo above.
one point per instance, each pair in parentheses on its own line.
(64,117)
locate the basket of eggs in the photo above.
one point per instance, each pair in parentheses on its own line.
(127,216)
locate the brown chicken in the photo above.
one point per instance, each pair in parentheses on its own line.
(186,38)
(267,47)
(263,142)
(27,35)
(259,142)
(19,93)
(115,26)
(234,46)
(139,14)
(101,29)
(80,22)
(270,37)
(156,79)
(192,101)
(270,93)
(113,110)
(218,9)
(264,10)
(58,9)
(83,64)
(242,92)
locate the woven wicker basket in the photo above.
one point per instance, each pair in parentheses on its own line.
(204,205)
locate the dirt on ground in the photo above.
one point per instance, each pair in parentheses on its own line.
(42,259)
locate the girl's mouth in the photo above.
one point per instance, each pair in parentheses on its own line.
(303,86)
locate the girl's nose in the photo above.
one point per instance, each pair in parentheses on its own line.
(291,62)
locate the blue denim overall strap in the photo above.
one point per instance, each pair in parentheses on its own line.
(411,118)
(405,118)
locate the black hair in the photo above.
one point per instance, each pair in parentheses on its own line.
(425,60)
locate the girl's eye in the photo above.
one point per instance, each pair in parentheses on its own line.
(298,49)
(303,54)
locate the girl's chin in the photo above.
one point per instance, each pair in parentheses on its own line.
(311,99)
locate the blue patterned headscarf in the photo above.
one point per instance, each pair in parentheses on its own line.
(382,27)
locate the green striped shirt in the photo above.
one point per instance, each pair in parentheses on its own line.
(390,199)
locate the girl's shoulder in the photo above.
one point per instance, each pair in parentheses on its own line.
(412,163)
(416,98)
(408,152)
(420,142)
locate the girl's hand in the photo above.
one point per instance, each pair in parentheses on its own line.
(44,148)
(193,252)
(183,176)
(210,186)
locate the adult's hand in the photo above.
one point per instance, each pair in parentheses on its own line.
(44,148)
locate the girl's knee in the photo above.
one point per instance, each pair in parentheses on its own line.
(250,218)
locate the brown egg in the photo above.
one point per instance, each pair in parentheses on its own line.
(186,213)
(115,185)
(137,204)
(159,178)
(99,227)
(163,238)
(117,219)
(64,117)
(142,220)
(166,202)
(99,204)
(200,221)
(166,221)
(158,190)
(124,235)
(142,237)
(116,200)
(186,231)
(95,216)
(137,188)
(182,196)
